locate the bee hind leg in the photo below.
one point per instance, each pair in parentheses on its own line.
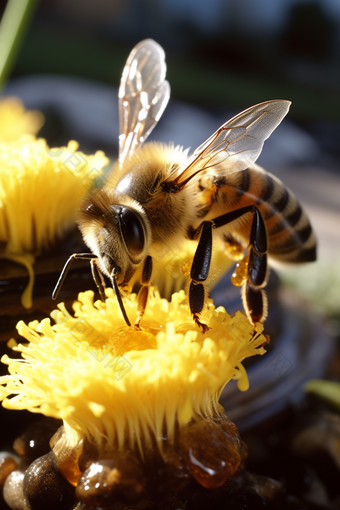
(253,296)
(255,303)
(143,293)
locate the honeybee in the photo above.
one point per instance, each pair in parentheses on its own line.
(157,195)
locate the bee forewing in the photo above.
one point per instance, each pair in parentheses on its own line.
(143,95)
(237,143)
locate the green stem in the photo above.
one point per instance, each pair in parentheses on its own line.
(14,23)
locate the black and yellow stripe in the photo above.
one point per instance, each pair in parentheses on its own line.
(290,235)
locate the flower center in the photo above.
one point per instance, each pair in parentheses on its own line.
(129,339)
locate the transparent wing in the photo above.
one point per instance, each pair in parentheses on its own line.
(143,95)
(235,145)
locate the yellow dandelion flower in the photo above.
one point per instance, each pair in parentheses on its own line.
(40,191)
(116,385)
(15,120)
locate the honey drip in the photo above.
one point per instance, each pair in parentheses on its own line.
(207,449)
(240,273)
(66,457)
(210,451)
(118,477)
(234,250)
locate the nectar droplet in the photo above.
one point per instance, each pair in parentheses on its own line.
(210,453)
(240,273)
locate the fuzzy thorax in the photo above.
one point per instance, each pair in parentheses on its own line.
(119,386)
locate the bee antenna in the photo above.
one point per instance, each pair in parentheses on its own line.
(119,297)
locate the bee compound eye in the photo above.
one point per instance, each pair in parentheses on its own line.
(132,231)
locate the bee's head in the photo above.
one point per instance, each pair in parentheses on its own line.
(119,234)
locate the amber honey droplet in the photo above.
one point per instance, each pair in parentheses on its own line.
(229,428)
(66,457)
(34,442)
(211,455)
(240,273)
(235,250)
(186,268)
(8,463)
(13,492)
(57,436)
(119,478)
(45,488)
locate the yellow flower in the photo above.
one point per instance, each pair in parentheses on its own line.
(114,384)
(15,120)
(40,190)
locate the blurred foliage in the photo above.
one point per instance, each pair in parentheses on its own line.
(215,69)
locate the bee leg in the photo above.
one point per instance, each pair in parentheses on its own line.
(255,303)
(63,274)
(143,293)
(199,273)
(119,297)
(253,296)
(98,279)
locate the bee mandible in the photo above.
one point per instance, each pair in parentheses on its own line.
(157,195)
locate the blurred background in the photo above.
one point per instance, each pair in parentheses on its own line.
(222,57)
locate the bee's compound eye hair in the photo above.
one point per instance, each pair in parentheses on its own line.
(132,231)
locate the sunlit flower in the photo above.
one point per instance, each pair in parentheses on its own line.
(15,120)
(40,190)
(115,384)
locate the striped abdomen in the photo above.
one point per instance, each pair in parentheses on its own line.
(290,235)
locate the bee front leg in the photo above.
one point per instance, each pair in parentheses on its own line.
(143,293)
(66,268)
(199,273)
